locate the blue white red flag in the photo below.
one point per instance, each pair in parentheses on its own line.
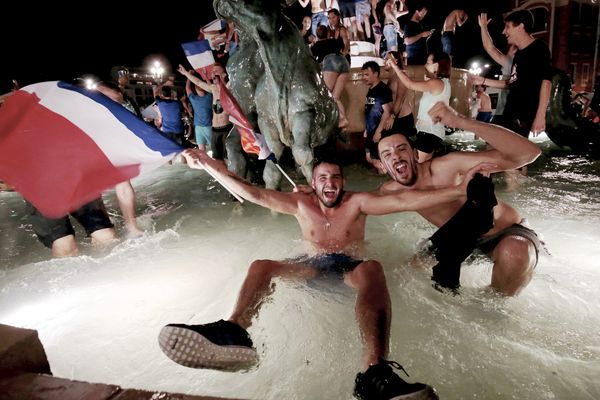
(200,56)
(61,146)
(252,142)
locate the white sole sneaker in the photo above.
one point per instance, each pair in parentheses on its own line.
(190,349)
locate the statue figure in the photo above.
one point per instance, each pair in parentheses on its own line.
(563,126)
(278,86)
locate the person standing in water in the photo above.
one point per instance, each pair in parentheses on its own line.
(332,221)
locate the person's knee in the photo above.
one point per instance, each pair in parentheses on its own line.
(103,236)
(369,273)
(515,255)
(65,247)
(263,268)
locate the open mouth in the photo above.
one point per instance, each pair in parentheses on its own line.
(330,194)
(401,167)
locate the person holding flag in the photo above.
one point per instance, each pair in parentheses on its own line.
(220,122)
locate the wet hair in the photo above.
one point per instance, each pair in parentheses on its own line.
(322,32)
(387,133)
(524,17)
(444,64)
(328,160)
(372,65)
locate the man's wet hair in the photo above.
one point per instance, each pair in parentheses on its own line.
(524,17)
(372,65)
(329,159)
(387,133)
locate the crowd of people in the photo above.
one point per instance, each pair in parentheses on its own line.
(453,191)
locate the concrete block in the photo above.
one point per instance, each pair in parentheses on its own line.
(21,350)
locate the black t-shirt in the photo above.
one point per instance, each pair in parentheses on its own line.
(323,47)
(376,97)
(530,67)
(417,50)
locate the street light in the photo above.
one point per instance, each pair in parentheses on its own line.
(157,71)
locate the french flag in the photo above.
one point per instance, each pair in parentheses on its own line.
(61,146)
(252,142)
(200,56)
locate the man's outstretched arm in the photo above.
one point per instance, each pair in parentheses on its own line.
(417,200)
(509,150)
(285,203)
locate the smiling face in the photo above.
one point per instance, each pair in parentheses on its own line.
(512,32)
(328,184)
(399,159)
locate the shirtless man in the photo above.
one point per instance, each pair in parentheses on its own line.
(220,122)
(474,222)
(332,221)
(456,17)
(484,112)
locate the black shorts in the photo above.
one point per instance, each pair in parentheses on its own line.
(330,263)
(489,243)
(92,216)
(217,141)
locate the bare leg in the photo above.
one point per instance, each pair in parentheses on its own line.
(514,261)
(373,310)
(126,199)
(335,83)
(257,287)
(103,236)
(65,247)
(367,26)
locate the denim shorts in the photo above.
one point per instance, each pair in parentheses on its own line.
(391,38)
(335,63)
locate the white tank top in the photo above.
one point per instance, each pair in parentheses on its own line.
(424,122)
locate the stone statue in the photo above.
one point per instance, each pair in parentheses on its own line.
(563,126)
(278,86)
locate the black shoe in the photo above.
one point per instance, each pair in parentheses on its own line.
(380,382)
(219,345)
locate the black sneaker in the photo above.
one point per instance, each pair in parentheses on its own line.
(219,345)
(380,382)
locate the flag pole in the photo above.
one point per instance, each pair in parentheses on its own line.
(284,174)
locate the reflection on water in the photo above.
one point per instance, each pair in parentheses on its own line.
(99,315)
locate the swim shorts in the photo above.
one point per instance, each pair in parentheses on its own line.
(92,216)
(330,263)
(488,244)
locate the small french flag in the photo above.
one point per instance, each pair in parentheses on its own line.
(200,57)
(61,145)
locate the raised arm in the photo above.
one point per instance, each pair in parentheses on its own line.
(285,203)
(488,43)
(195,80)
(434,86)
(508,149)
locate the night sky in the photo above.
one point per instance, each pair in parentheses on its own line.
(56,41)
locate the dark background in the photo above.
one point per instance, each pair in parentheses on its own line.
(57,41)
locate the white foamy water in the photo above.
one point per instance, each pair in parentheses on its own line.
(99,315)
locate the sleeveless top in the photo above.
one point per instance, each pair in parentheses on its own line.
(428,100)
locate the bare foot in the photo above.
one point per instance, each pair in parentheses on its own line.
(133,231)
